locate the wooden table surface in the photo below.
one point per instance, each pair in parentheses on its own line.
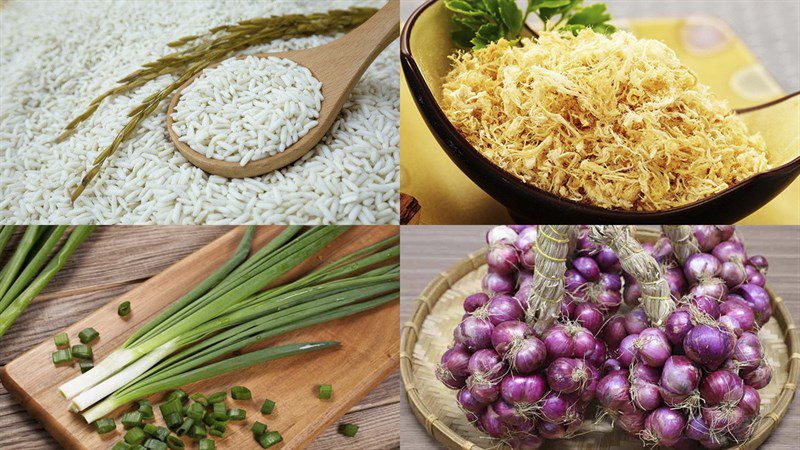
(114,260)
(428,250)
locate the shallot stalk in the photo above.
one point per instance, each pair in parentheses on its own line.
(547,289)
(656,298)
(683,241)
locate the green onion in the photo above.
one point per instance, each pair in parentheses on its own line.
(269,439)
(146,409)
(267,407)
(199,398)
(174,443)
(173,421)
(121,445)
(193,339)
(325,391)
(85,365)
(154,444)
(208,420)
(177,394)
(237,414)
(132,419)
(62,357)
(161,433)
(241,393)
(135,436)
(206,444)
(105,425)
(149,429)
(219,427)
(185,427)
(82,351)
(15,298)
(88,335)
(217,397)
(138,447)
(124,309)
(62,340)
(348,429)
(196,412)
(258,428)
(219,408)
(198,432)
(216,432)
(170,407)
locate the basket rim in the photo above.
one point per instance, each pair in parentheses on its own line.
(424,302)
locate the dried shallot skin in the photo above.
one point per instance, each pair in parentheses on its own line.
(614,121)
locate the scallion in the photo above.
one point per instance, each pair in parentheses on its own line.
(85,365)
(62,357)
(199,398)
(237,414)
(161,434)
(131,419)
(135,436)
(258,428)
(185,426)
(325,391)
(196,412)
(88,335)
(217,397)
(267,407)
(348,429)
(154,444)
(62,340)
(173,421)
(177,395)
(269,439)
(241,393)
(121,445)
(82,351)
(146,409)
(198,432)
(174,443)
(124,309)
(149,429)
(206,444)
(105,425)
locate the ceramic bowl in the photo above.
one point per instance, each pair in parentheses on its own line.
(425,46)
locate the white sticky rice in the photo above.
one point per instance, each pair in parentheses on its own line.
(56,56)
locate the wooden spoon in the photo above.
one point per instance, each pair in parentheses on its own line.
(338,65)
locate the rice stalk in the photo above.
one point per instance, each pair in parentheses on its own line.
(197,53)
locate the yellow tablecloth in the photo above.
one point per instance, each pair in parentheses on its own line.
(707,45)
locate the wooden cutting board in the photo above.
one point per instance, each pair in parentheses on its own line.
(369,353)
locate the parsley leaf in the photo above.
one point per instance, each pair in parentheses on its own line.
(477,23)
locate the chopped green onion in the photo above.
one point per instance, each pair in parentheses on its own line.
(348,429)
(185,427)
(198,432)
(154,444)
(105,425)
(206,444)
(217,397)
(173,421)
(62,356)
(241,393)
(267,407)
(88,335)
(237,414)
(170,407)
(196,411)
(208,420)
(178,394)
(149,429)
(81,351)
(124,309)
(219,426)
(325,391)
(121,445)
(62,340)
(258,428)
(134,436)
(85,365)
(174,443)
(199,398)
(215,432)
(146,409)
(132,419)
(269,439)
(219,408)
(161,433)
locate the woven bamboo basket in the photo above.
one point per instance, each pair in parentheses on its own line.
(437,311)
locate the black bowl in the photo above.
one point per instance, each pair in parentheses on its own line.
(529,204)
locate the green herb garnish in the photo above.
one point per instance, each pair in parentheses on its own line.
(477,23)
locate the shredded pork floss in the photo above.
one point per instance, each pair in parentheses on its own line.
(613,121)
